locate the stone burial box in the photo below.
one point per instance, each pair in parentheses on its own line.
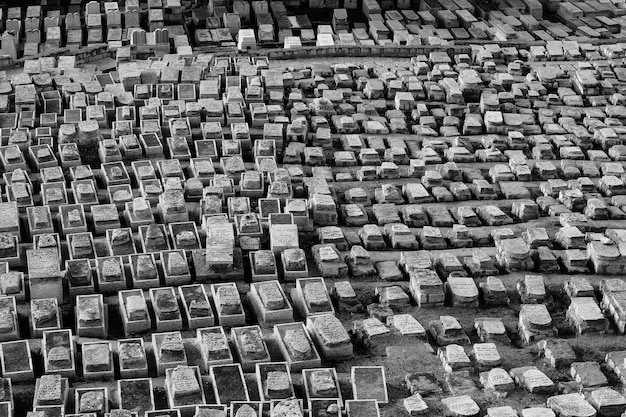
(584,315)
(311,297)
(287,407)
(175,267)
(91,316)
(73,220)
(274,381)
(167,315)
(105,217)
(249,408)
(50,410)
(228,304)
(533,380)
(120,242)
(39,220)
(45,279)
(250,346)
(185,235)
(135,394)
(9,249)
(133,362)
(51,390)
(44,315)
(319,407)
(184,388)
(406,325)
(535,323)
(263,266)
(330,337)
(211,411)
(48,241)
(17,361)
(490,329)
(214,347)
(153,238)
(6,392)
(10,220)
(296,346)
(143,271)
(362,408)
(79,277)
(228,383)
(571,405)
(169,351)
(81,246)
(321,383)
(111,274)
(97,358)
(58,352)
(91,400)
(9,324)
(369,383)
(134,312)
(345,297)
(163,413)
(497,379)
(196,306)
(270,303)
(138,212)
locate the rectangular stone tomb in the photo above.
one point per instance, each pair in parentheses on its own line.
(50,410)
(120,242)
(154,238)
(136,395)
(228,383)
(6,407)
(166,311)
(263,266)
(330,337)
(144,271)
(214,347)
(133,362)
(325,408)
(81,246)
(211,410)
(196,306)
(17,361)
(91,316)
(270,303)
(111,274)
(185,235)
(79,277)
(296,346)
(249,346)
(184,387)
(249,408)
(9,324)
(311,297)
(369,383)
(51,390)
(274,381)
(321,383)
(228,304)
(134,312)
(58,352)
(97,359)
(91,400)
(175,267)
(169,351)
(44,273)
(163,413)
(362,408)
